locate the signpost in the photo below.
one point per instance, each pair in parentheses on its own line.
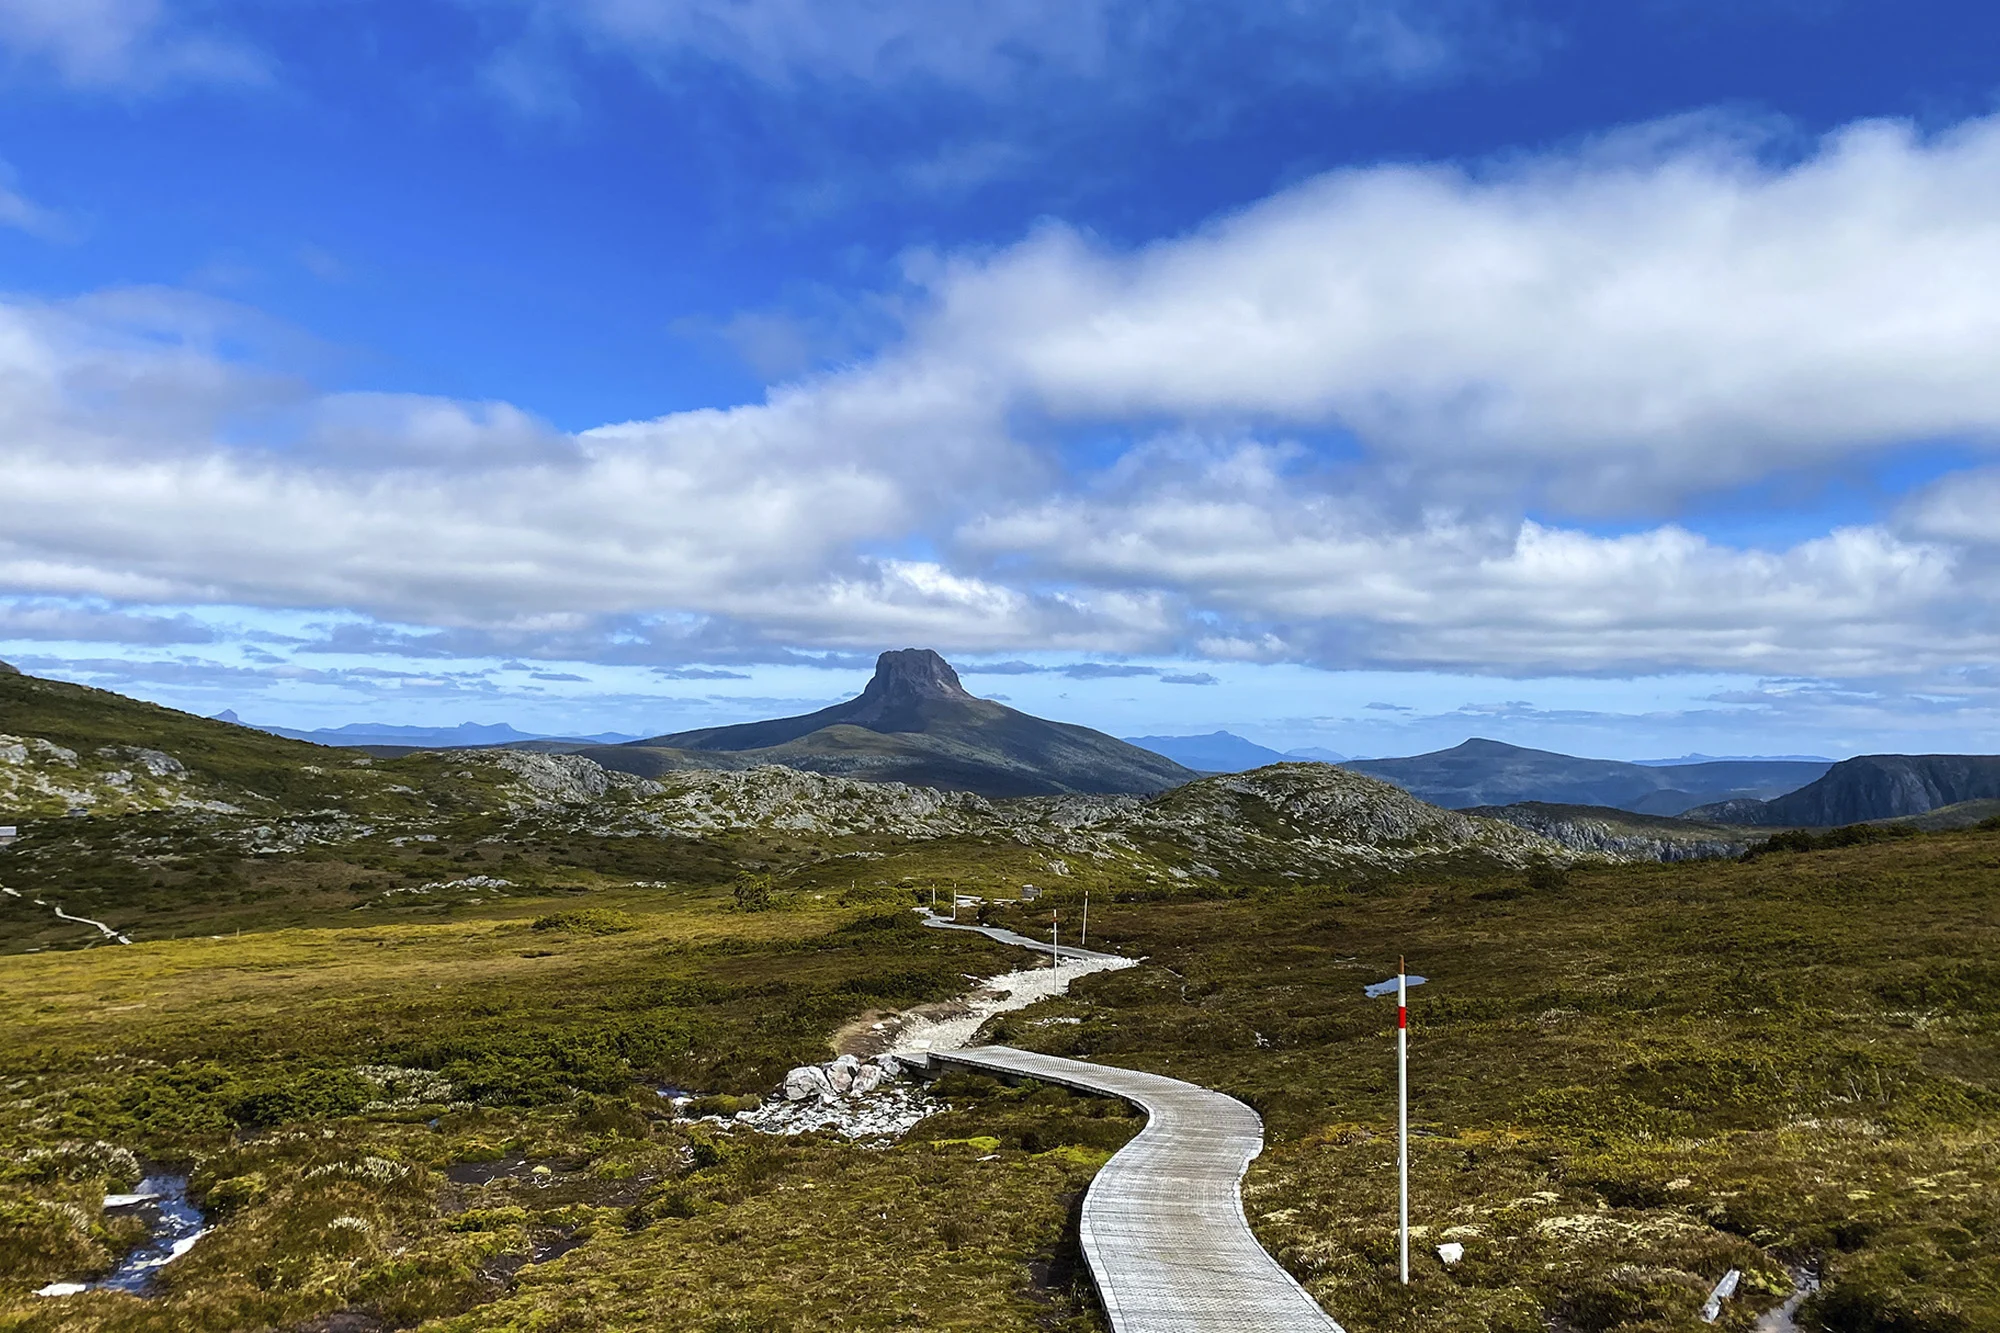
(1083,940)
(1401,986)
(1055,939)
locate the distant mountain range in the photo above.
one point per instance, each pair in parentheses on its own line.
(1226,752)
(1874,786)
(466,735)
(1734,759)
(1485,773)
(914,723)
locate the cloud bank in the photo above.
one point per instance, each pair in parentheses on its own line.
(1405,416)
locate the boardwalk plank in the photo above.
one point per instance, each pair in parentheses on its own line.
(1163,1227)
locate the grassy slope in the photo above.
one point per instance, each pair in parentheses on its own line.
(222,759)
(235,1057)
(1623,1085)
(1629,1079)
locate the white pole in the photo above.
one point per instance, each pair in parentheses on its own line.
(1403,1109)
(1055,942)
(1083,940)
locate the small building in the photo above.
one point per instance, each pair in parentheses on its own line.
(1029,893)
(8,833)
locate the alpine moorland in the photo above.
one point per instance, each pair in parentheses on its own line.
(459,1040)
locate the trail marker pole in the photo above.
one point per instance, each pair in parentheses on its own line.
(1400,987)
(1055,939)
(1403,1109)
(1083,940)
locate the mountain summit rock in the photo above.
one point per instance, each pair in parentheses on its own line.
(892,699)
(915,723)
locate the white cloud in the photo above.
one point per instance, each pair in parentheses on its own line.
(124,44)
(121,486)
(1615,328)
(1336,582)
(1632,323)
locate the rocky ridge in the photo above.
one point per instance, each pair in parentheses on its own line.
(111,779)
(1307,819)
(1617,836)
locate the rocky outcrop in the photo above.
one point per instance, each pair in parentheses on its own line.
(1876,786)
(1617,835)
(561,779)
(1311,819)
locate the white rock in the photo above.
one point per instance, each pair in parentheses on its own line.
(891,1067)
(1451,1253)
(805,1082)
(840,1076)
(62,1289)
(865,1080)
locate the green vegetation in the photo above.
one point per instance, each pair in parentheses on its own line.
(399,1118)
(405,1024)
(1626,1081)
(1811,840)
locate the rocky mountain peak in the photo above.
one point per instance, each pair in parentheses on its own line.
(9,669)
(912,673)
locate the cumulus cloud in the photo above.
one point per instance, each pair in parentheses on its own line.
(1650,317)
(119,44)
(1606,331)
(1341,585)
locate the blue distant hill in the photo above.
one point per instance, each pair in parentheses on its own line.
(1317,754)
(466,735)
(1734,759)
(1217,752)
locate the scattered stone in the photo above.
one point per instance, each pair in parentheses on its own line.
(1451,1253)
(808,1082)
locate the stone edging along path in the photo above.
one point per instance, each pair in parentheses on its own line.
(1163,1228)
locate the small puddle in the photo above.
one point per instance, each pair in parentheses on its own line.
(174,1223)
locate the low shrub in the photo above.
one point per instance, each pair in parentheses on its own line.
(587,921)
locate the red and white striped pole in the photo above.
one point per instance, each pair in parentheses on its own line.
(1403,1107)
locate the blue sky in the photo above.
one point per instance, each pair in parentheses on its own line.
(1609,377)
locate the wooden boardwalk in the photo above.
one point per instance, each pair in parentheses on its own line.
(1163,1226)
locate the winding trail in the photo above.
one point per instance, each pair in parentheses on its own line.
(108,933)
(1163,1228)
(1066,952)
